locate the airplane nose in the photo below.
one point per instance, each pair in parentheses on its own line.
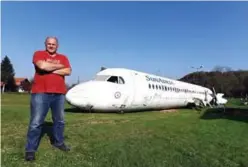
(74,98)
(90,95)
(69,96)
(79,98)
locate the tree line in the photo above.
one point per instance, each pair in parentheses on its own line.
(231,83)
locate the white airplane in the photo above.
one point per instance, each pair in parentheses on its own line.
(123,90)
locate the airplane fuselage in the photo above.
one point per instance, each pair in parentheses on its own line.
(117,89)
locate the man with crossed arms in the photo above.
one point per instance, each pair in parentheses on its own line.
(48,91)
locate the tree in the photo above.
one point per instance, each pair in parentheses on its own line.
(222,68)
(8,74)
(245,83)
(231,83)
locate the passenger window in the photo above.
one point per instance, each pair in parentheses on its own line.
(149,86)
(152,86)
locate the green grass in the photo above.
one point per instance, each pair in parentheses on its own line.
(152,139)
(235,102)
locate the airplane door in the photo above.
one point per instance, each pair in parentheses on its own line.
(138,100)
(120,95)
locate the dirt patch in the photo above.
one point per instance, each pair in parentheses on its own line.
(107,121)
(169,110)
(102,122)
(124,121)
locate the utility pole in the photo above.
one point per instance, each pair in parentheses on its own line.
(78,80)
(197,69)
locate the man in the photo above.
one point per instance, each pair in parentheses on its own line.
(48,91)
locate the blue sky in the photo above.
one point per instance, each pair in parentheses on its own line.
(165,38)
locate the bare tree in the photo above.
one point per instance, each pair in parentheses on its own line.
(222,68)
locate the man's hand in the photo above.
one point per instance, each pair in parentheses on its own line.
(46,66)
(63,71)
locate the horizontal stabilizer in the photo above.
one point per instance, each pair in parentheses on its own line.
(220,99)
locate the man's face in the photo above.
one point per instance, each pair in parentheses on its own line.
(51,45)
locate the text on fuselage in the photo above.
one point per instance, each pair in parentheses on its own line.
(159,80)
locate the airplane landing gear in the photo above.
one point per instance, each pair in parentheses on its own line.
(121,112)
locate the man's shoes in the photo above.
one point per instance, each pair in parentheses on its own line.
(62,147)
(30,156)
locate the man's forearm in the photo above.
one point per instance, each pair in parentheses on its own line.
(63,71)
(46,66)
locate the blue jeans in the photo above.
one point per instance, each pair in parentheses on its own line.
(39,105)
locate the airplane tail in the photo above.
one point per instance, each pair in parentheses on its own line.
(218,98)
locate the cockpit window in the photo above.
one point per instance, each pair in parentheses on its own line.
(121,80)
(101,77)
(108,78)
(116,79)
(113,79)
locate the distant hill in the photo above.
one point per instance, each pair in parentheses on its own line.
(231,83)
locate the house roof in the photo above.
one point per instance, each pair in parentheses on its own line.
(19,80)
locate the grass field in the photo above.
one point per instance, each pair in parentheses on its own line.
(153,139)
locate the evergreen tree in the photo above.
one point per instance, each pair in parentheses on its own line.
(7,74)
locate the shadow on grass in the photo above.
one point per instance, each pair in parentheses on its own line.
(77,110)
(47,129)
(231,113)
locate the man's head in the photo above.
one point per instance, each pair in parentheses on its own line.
(51,44)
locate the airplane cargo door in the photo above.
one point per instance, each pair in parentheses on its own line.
(120,94)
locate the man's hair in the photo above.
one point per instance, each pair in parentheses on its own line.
(53,38)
